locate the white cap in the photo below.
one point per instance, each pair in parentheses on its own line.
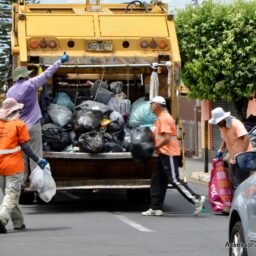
(218,114)
(159,99)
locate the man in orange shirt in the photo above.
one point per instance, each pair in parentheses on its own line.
(167,170)
(14,139)
(235,140)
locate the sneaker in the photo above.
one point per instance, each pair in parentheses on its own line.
(22,227)
(151,212)
(199,205)
(2,228)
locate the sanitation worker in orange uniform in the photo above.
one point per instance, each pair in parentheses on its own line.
(14,139)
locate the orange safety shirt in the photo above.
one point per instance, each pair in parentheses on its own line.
(232,137)
(165,125)
(12,134)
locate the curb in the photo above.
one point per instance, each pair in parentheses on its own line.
(201,176)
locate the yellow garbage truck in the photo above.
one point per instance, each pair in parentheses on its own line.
(107,42)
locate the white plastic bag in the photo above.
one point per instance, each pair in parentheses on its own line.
(48,190)
(36,179)
(43,182)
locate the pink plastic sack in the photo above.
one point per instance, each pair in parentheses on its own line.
(220,191)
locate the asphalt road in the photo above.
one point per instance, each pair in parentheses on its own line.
(105,223)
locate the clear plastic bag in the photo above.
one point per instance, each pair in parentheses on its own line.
(36,179)
(43,182)
(48,190)
(60,115)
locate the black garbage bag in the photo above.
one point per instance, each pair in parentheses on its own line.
(86,120)
(127,138)
(113,147)
(73,138)
(116,130)
(91,142)
(142,144)
(56,138)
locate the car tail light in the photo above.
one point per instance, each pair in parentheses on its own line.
(153,44)
(33,44)
(43,44)
(144,44)
(162,44)
(52,44)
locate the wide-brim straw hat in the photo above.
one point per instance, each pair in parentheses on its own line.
(218,114)
(20,72)
(8,107)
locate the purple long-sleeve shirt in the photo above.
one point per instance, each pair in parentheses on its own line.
(25,91)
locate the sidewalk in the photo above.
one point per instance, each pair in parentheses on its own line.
(195,169)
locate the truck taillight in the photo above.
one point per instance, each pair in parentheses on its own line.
(144,44)
(52,44)
(153,44)
(33,44)
(162,44)
(43,44)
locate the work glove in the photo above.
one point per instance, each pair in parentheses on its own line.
(219,154)
(42,163)
(64,58)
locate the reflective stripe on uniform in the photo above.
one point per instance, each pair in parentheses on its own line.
(9,151)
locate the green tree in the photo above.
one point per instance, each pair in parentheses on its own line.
(5,44)
(218,50)
(5,28)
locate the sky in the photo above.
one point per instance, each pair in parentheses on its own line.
(172,3)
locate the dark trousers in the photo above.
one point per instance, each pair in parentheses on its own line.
(167,171)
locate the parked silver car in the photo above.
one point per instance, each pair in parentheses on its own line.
(242,219)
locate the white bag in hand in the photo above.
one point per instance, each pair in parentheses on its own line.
(36,179)
(48,189)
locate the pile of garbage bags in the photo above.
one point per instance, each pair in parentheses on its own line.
(106,122)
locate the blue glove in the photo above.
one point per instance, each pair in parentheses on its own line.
(64,58)
(42,163)
(219,154)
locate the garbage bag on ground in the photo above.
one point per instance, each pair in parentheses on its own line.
(142,144)
(141,114)
(91,142)
(87,120)
(55,137)
(60,115)
(64,100)
(100,93)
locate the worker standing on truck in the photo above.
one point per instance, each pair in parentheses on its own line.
(24,90)
(166,171)
(14,139)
